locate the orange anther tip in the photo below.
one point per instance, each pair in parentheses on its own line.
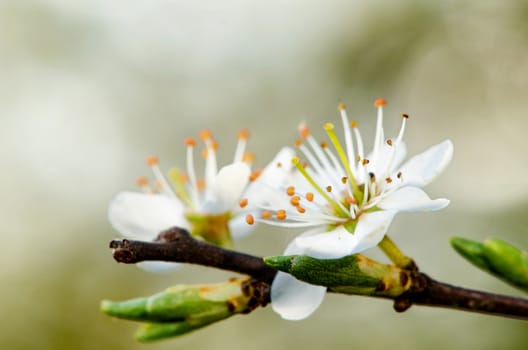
(142,181)
(328,188)
(301,209)
(243,202)
(389,142)
(344,180)
(406,116)
(255,175)
(214,145)
(309,196)
(290,190)
(281,214)
(189,141)
(380,102)
(248,157)
(365,161)
(243,134)
(298,143)
(265,214)
(341,106)
(152,160)
(304,131)
(324,144)
(250,219)
(205,134)
(353,124)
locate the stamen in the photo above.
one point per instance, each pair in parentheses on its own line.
(243,202)
(396,144)
(243,136)
(329,127)
(378,139)
(290,191)
(250,219)
(310,180)
(309,196)
(192,174)
(178,181)
(153,162)
(328,188)
(300,209)
(349,144)
(344,180)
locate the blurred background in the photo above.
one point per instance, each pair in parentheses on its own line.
(88,89)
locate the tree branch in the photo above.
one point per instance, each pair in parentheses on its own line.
(177,245)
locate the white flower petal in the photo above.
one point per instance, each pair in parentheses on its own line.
(225,191)
(328,245)
(142,216)
(411,199)
(159,266)
(371,229)
(239,228)
(264,191)
(293,299)
(424,167)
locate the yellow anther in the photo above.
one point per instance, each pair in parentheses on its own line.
(290,190)
(328,188)
(353,124)
(341,106)
(309,196)
(301,209)
(281,214)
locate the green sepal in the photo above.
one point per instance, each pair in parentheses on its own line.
(353,274)
(497,257)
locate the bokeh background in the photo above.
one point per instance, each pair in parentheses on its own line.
(88,89)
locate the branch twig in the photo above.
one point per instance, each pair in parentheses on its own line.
(177,245)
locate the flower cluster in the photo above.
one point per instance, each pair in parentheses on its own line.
(347,199)
(212,207)
(344,197)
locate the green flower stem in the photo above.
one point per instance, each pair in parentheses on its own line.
(395,254)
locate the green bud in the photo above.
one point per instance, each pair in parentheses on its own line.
(353,274)
(496,257)
(183,308)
